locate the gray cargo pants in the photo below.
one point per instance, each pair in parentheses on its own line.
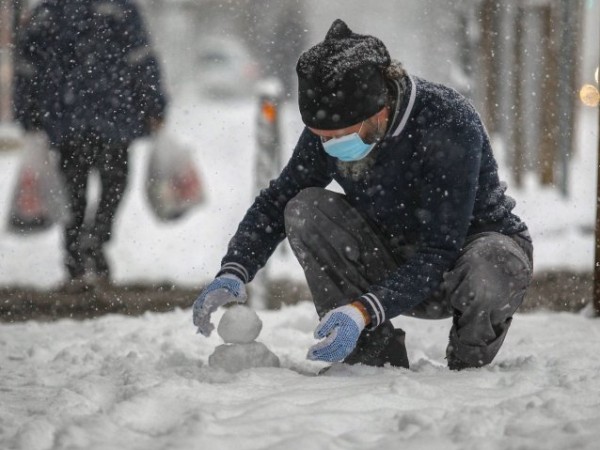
(342,256)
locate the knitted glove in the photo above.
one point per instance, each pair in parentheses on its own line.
(340,329)
(224,289)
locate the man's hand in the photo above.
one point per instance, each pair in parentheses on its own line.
(340,329)
(224,289)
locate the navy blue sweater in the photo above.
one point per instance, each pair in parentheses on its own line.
(434,183)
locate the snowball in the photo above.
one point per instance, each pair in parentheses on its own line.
(239,325)
(235,357)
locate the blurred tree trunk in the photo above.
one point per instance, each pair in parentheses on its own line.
(548,99)
(490,42)
(519,129)
(530,53)
(570,14)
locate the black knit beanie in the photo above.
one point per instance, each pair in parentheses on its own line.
(340,80)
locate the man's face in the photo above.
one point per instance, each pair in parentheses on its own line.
(369,130)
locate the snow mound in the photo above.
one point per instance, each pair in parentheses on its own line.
(236,357)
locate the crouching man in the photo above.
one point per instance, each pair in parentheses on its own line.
(423,228)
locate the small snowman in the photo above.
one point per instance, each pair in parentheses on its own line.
(239,327)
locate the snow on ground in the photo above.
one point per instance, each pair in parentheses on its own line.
(144,383)
(127,383)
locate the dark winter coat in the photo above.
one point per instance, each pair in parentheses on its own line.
(433,183)
(86,67)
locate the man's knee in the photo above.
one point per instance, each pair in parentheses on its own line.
(499,250)
(493,274)
(304,209)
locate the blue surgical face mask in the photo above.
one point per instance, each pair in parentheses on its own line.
(348,148)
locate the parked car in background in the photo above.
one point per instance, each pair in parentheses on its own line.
(225,68)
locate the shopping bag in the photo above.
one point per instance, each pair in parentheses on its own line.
(38,200)
(173,182)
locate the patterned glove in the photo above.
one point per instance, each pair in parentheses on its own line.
(340,329)
(224,289)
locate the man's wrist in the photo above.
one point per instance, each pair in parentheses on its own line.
(235,269)
(358,305)
(231,276)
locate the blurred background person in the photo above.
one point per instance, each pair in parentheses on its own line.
(86,74)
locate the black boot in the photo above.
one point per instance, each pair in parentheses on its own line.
(97,265)
(462,356)
(74,260)
(76,282)
(96,262)
(384,345)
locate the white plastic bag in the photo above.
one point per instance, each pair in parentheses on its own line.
(38,199)
(173,183)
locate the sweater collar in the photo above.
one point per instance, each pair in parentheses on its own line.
(406,93)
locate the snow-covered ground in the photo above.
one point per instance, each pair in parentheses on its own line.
(143,383)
